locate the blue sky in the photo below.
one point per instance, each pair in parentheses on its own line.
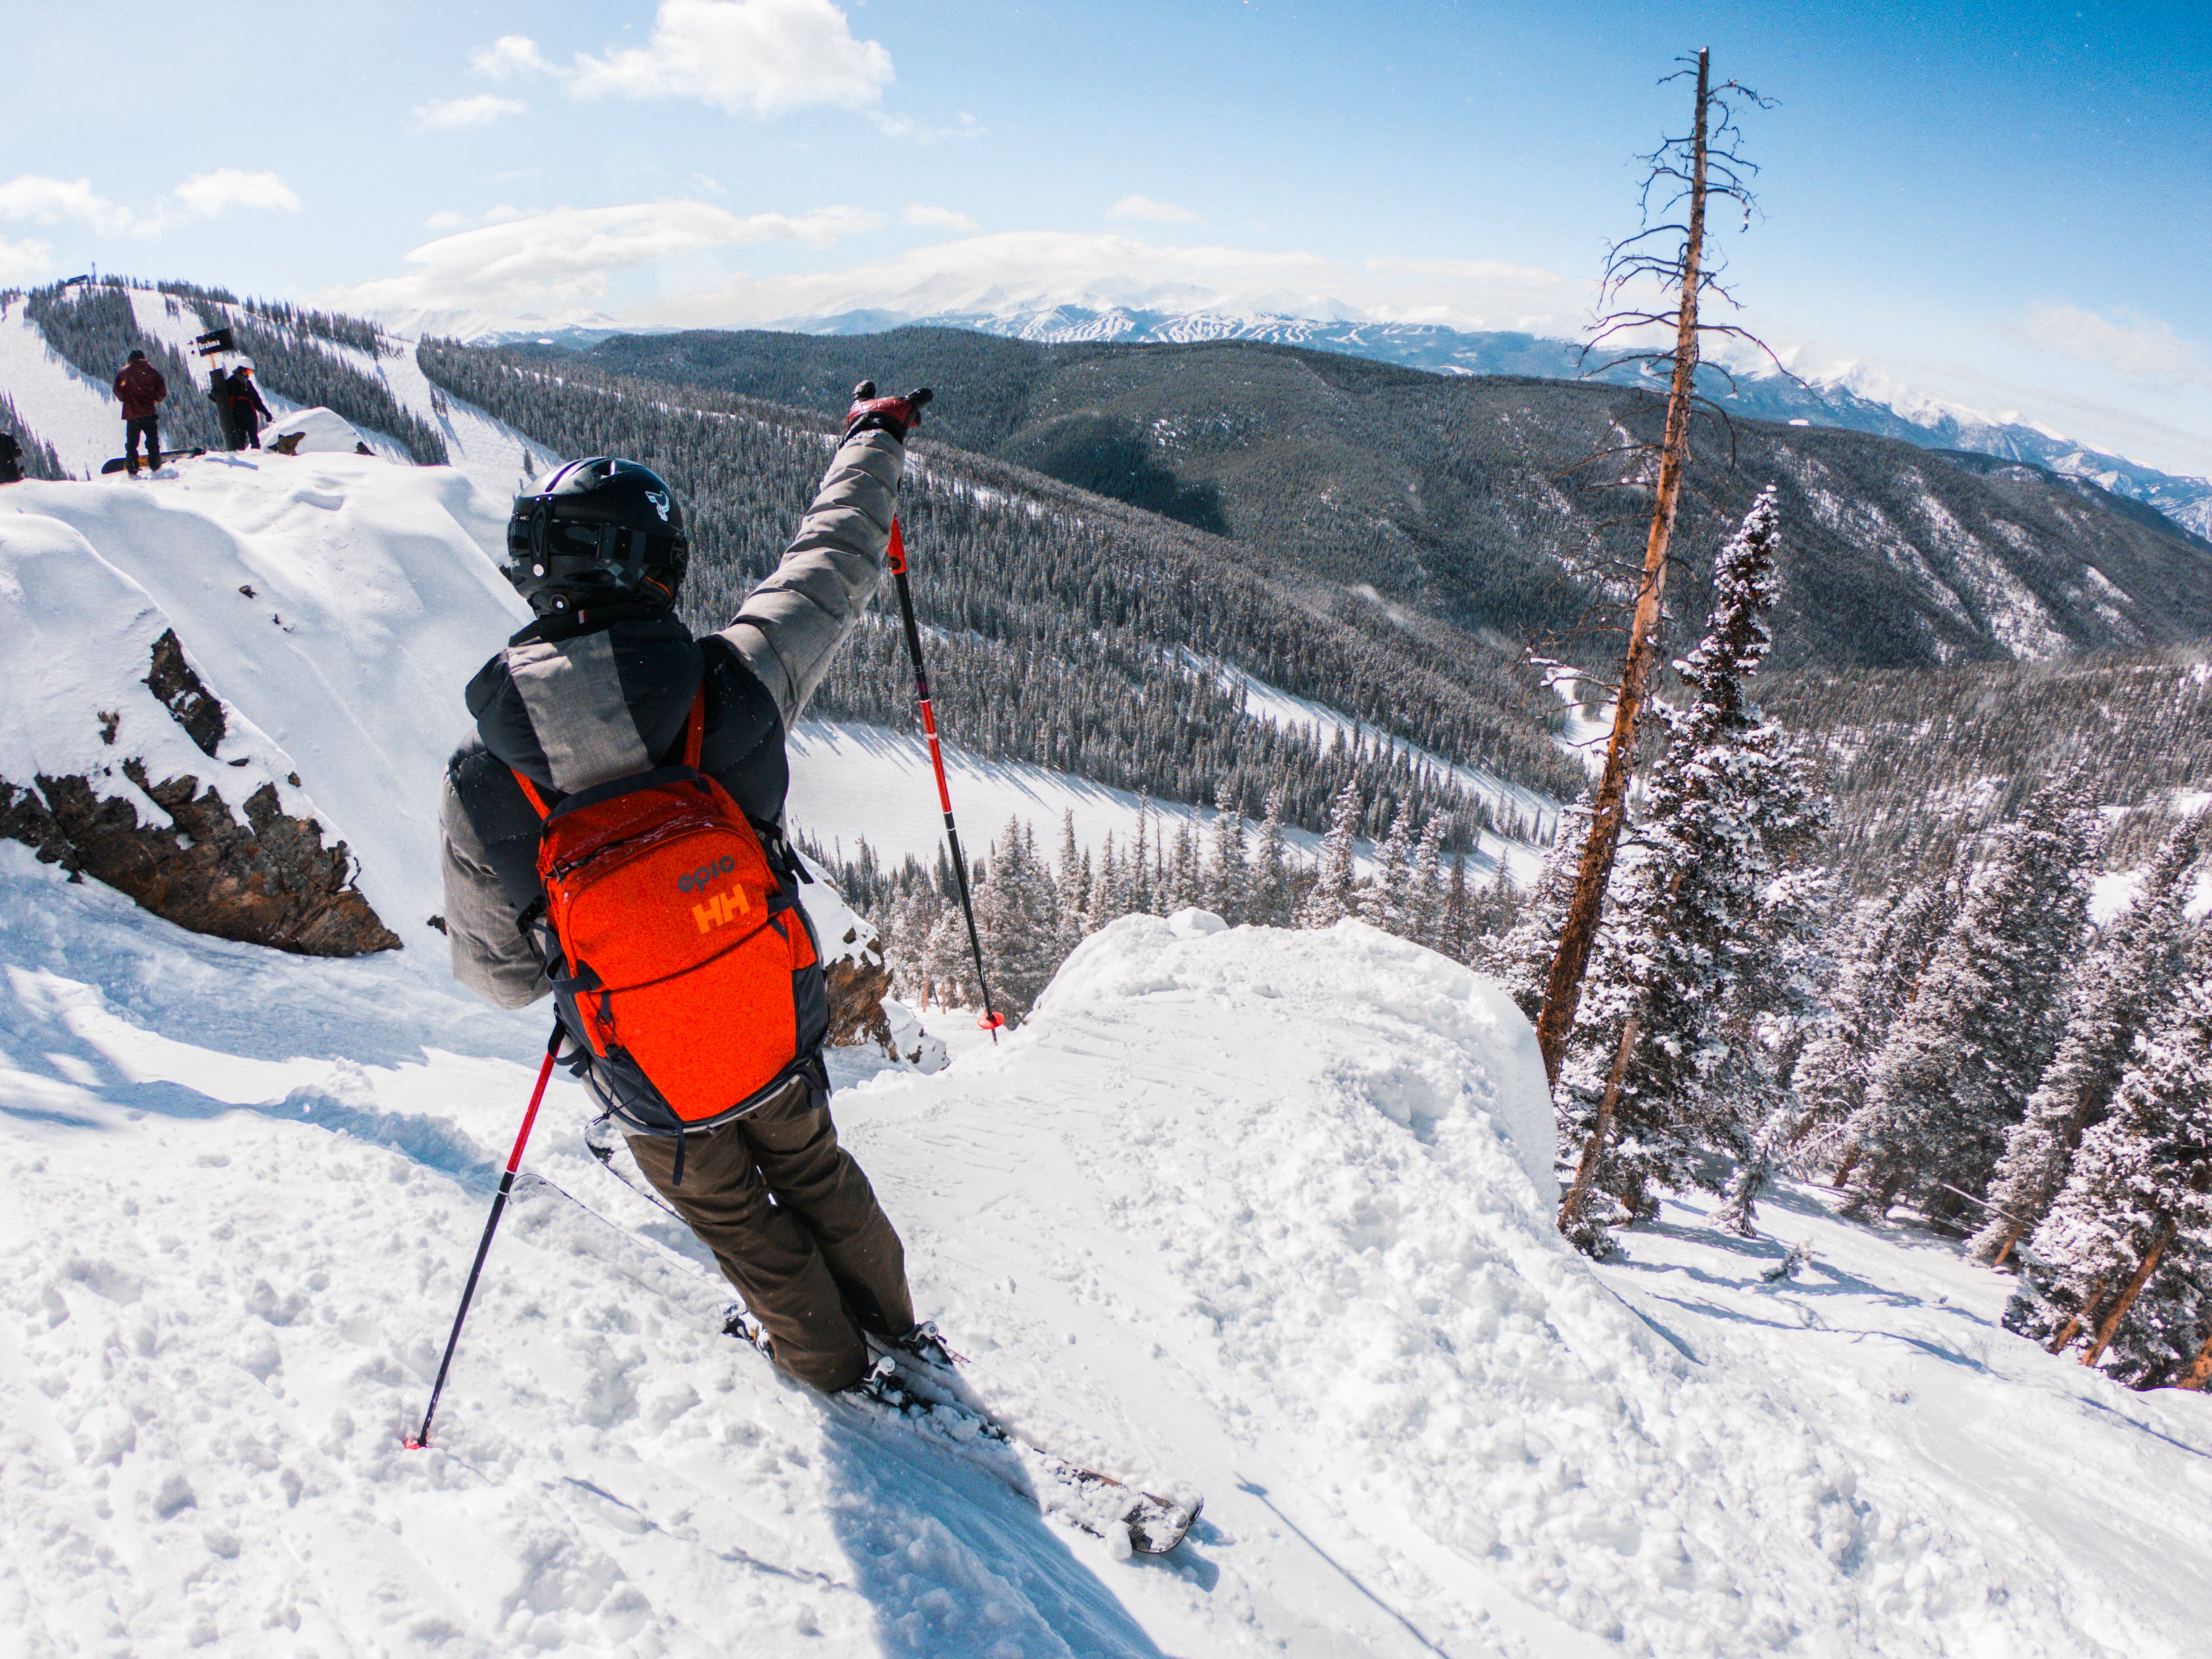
(2010,205)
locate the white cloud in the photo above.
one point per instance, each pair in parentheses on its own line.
(459,114)
(945,218)
(205,194)
(446,219)
(2141,348)
(1159,213)
(749,56)
(41,200)
(46,200)
(25,262)
(509,56)
(565,257)
(906,128)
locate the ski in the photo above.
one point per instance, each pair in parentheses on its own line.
(121,463)
(918,1388)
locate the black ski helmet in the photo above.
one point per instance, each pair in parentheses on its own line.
(601,529)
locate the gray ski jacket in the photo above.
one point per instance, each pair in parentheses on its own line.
(586,697)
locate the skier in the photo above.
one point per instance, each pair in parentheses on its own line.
(605,686)
(140,386)
(241,408)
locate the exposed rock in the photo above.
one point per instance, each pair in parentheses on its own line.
(268,881)
(189,702)
(858,986)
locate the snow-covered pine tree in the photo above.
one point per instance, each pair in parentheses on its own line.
(1186,878)
(1014,919)
(1228,873)
(950,966)
(1700,921)
(1073,895)
(1424,886)
(1271,868)
(1959,1065)
(1880,971)
(2121,982)
(1137,898)
(2119,1263)
(1108,890)
(1332,897)
(1384,902)
(1521,959)
(1766,1024)
(1455,916)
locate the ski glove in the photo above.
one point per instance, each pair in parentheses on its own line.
(896,416)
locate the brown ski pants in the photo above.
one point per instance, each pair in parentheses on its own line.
(821,1256)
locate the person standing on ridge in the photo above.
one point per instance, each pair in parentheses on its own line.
(240,406)
(613,837)
(140,388)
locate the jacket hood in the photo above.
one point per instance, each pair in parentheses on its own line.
(582,699)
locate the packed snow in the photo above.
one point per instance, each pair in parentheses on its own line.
(1268,1213)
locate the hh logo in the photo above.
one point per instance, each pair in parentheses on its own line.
(721,908)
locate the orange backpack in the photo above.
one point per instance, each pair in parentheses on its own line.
(691,970)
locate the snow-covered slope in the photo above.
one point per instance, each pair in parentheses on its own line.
(1269,1211)
(338,603)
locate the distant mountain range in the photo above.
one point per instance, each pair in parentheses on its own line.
(1476,502)
(1860,401)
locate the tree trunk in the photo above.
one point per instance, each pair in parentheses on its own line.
(2072,1327)
(2010,1237)
(2200,1372)
(1842,1178)
(2126,1299)
(1571,1207)
(1579,931)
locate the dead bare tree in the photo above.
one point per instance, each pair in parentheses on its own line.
(1686,172)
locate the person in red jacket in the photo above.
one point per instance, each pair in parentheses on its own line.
(140,388)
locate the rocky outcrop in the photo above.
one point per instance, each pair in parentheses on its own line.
(269,880)
(859,983)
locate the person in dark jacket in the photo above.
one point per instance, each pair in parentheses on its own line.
(140,388)
(599,687)
(242,410)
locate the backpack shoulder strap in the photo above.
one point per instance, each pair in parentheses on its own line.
(695,729)
(530,790)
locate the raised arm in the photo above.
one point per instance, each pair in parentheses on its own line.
(791,625)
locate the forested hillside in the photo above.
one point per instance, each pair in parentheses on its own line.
(94,326)
(1074,631)
(1473,500)
(1920,760)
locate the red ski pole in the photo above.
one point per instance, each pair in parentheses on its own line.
(991,1020)
(483,1244)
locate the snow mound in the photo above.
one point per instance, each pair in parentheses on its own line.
(337,605)
(321,432)
(84,634)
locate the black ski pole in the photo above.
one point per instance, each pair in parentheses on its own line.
(991,1020)
(483,1244)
